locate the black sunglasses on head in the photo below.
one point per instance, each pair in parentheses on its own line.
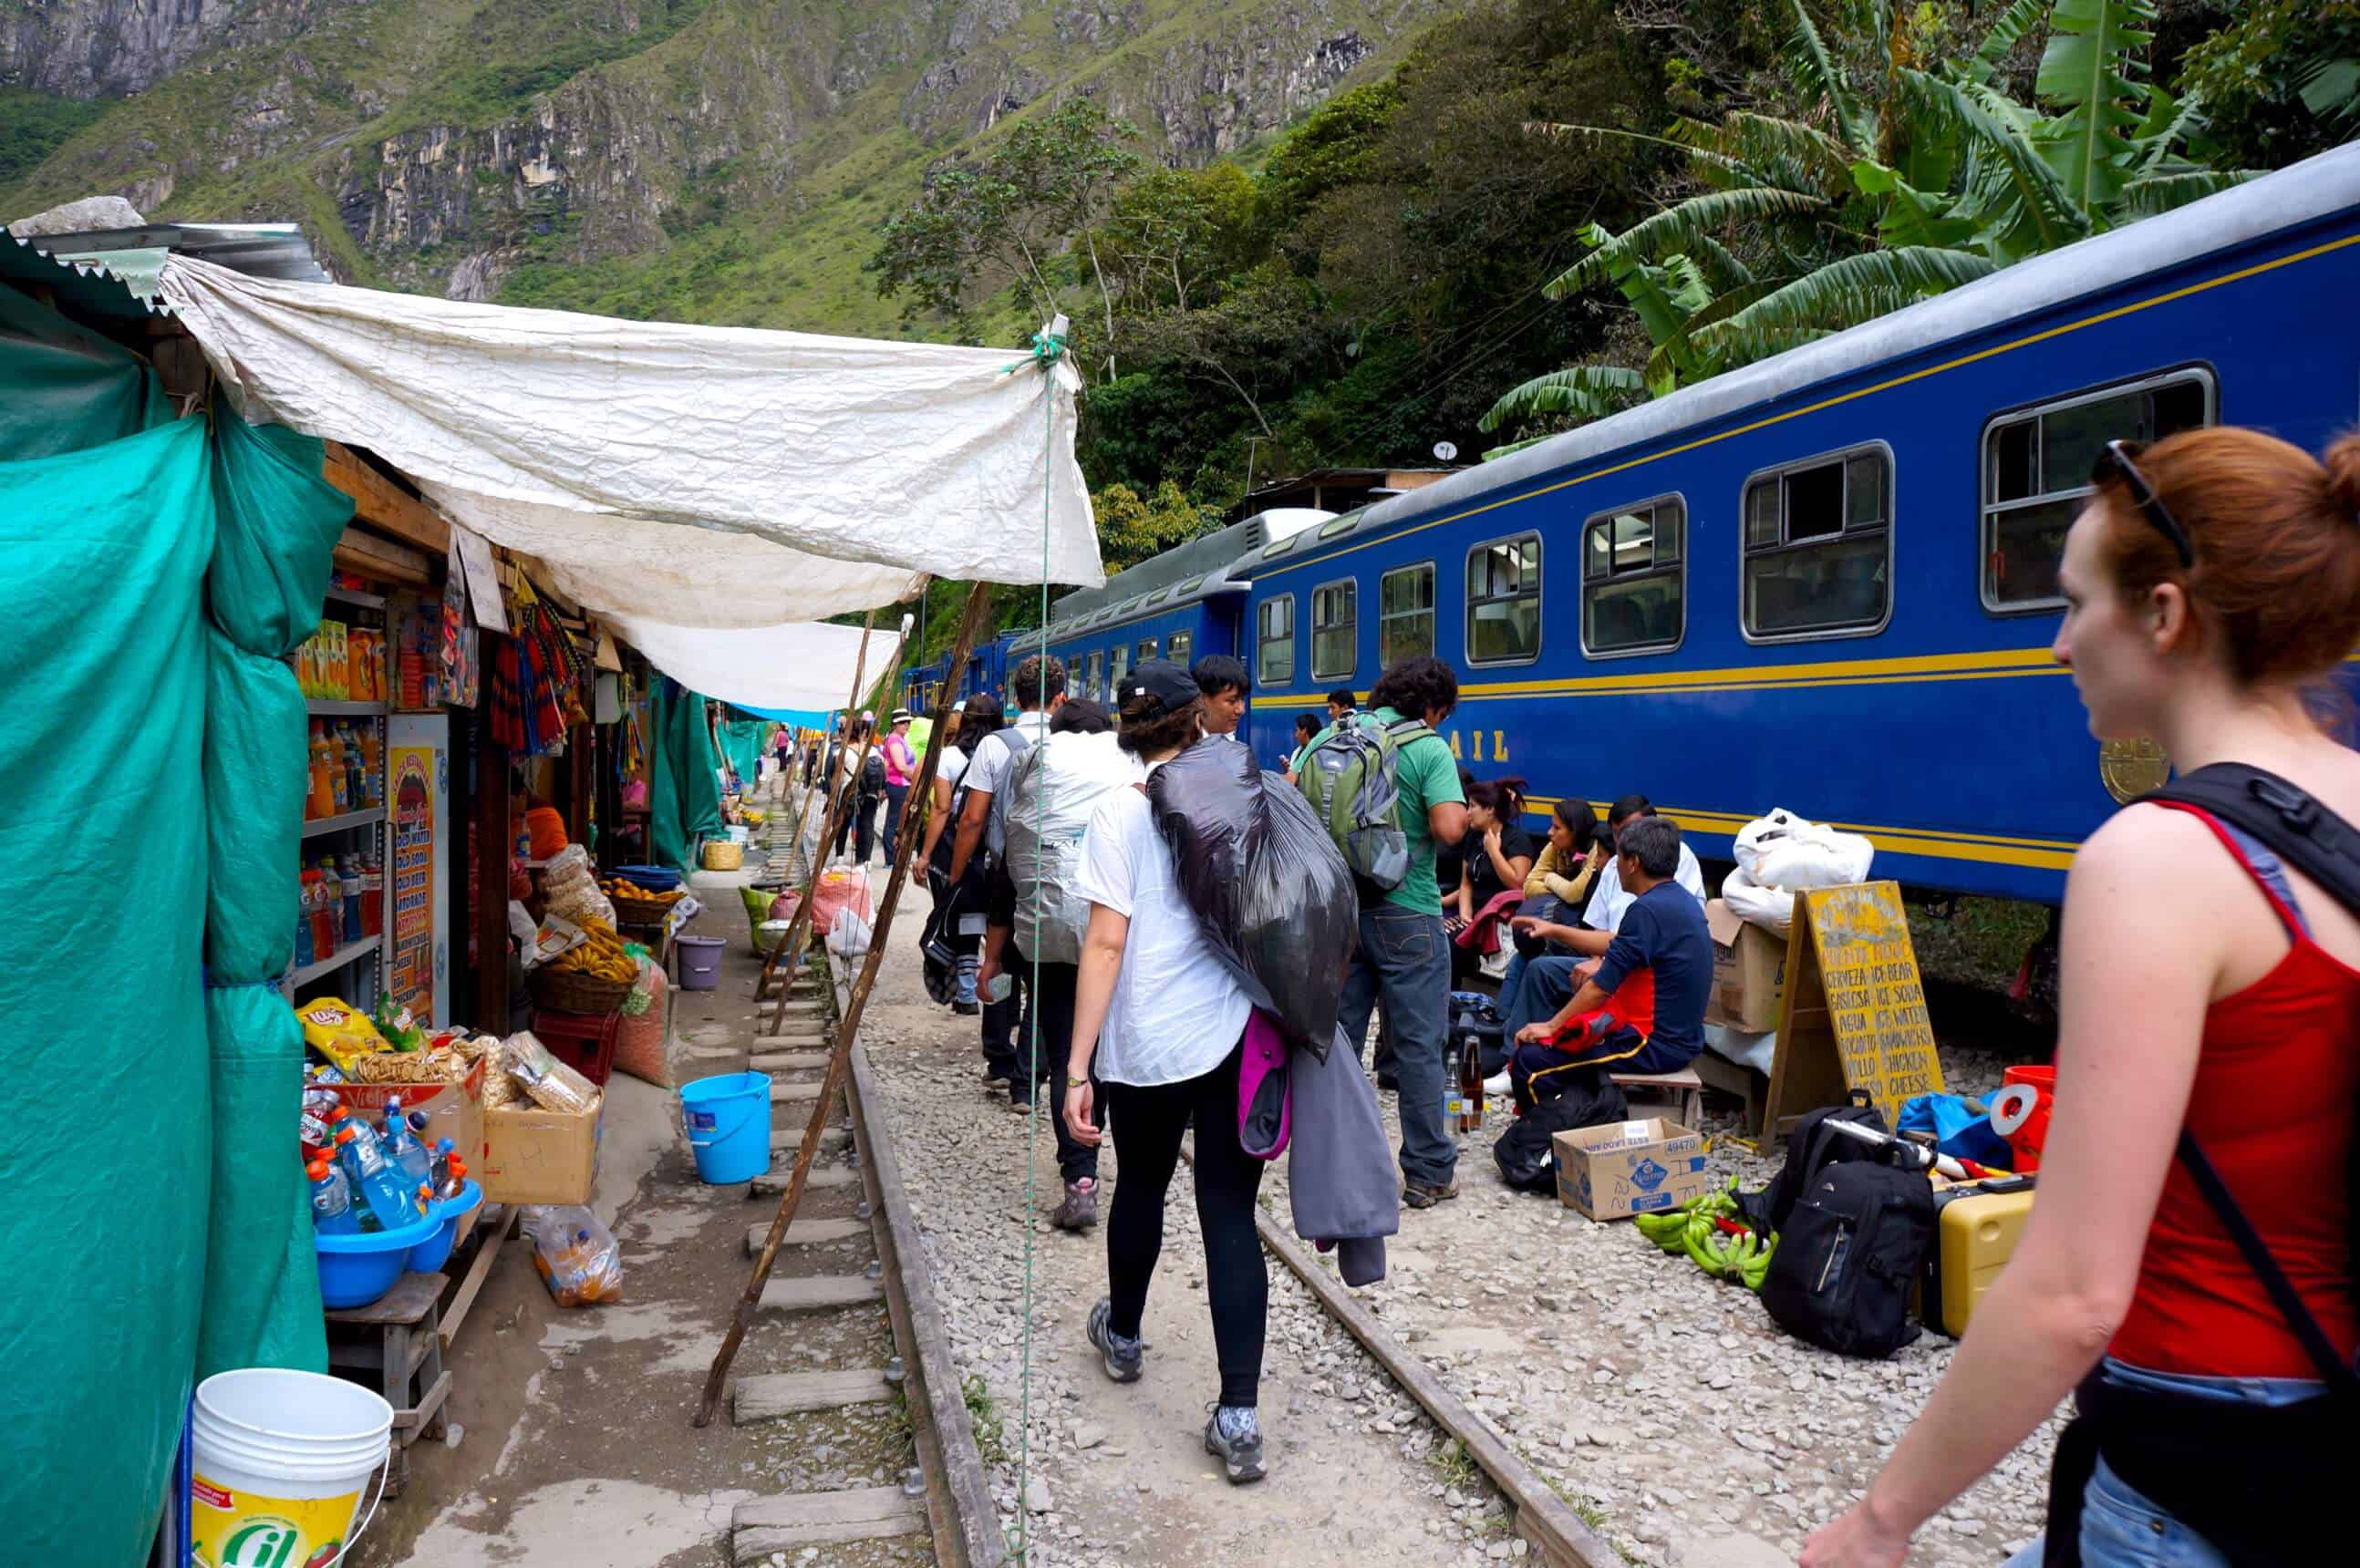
(2115,459)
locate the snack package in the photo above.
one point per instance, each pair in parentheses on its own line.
(339,1031)
(552,1085)
(577,1257)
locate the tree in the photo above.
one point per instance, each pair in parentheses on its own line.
(1008,218)
(2282,80)
(1895,181)
(1132,528)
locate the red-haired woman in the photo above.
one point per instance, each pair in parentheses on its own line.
(2211,588)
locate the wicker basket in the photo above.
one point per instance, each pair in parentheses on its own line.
(630,911)
(572,991)
(721,857)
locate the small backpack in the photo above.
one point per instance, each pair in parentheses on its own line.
(1051,790)
(1851,1249)
(1812,1145)
(1526,1153)
(1351,781)
(872,773)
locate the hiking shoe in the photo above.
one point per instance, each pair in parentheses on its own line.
(1019,1099)
(1121,1357)
(1426,1194)
(1080,1209)
(1234,1437)
(1498,1088)
(966,1008)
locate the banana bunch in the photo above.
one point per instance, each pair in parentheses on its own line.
(1713,1235)
(602,956)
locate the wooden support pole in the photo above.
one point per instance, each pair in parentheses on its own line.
(790,948)
(839,1057)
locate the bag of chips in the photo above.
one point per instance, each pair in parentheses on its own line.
(339,1031)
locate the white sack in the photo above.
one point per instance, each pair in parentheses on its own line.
(706,477)
(1772,909)
(1783,850)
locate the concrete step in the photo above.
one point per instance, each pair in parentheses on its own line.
(790,1143)
(788,1062)
(766,1525)
(806,1233)
(805,1090)
(774,1394)
(824,1294)
(775,1184)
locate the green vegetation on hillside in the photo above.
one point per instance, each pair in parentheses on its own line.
(32,124)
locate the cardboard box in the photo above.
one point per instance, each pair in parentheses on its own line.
(1748,972)
(455,1111)
(533,1156)
(1622,1168)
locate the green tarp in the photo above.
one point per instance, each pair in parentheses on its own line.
(684,796)
(151,800)
(741,743)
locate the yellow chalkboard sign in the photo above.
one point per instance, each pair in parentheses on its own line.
(1855,1014)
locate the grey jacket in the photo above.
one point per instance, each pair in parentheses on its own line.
(1340,1175)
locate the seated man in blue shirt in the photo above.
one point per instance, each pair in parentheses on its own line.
(1660,962)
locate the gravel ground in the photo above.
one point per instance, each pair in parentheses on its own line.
(1664,1405)
(1666,1400)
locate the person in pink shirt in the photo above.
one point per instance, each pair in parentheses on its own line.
(901,772)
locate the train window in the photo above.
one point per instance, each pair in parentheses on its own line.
(1119,666)
(1503,601)
(1818,546)
(2036,472)
(1404,614)
(1146,651)
(1335,630)
(1635,578)
(1094,677)
(1179,647)
(1275,650)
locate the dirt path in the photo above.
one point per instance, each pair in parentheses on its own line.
(1119,1474)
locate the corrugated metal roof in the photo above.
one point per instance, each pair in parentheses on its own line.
(87,286)
(135,257)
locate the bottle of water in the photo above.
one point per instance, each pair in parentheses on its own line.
(401,1147)
(386,1198)
(332,1201)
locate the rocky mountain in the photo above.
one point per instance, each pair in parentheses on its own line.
(723,160)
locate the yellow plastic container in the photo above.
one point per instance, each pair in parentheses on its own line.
(1975,1230)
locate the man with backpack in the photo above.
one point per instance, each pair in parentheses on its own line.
(980,834)
(1387,788)
(866,791)
(1051,791)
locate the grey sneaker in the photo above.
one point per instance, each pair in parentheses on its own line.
(1121,1356)
(1234,1437)
(1080,1209)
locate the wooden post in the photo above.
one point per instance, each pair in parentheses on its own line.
(799,925)
(839,1057)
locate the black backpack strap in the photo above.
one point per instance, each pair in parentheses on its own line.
(2337,1373)
(2283,816)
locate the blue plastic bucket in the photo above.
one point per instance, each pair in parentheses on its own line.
(654,878)
(357,1267)
(700,962)
(727,1120)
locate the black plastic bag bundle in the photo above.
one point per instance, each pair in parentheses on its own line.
(1270,889)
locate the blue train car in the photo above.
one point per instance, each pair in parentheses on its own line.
(1827,581)
(921,686)
(1181,605)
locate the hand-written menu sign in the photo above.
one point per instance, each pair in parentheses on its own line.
(409,973)
(1854,1016)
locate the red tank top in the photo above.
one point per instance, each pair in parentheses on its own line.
(2272,1106)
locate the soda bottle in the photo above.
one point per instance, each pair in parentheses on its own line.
(382,1189)
(332,1200)
(303,954)
(349,874)
(1471,1083)
(455,1181)
(401,1145)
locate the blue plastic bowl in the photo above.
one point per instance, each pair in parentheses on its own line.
(654,878)
(427,1254)
(357,1267)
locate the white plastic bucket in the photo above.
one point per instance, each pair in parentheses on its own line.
(280,1460)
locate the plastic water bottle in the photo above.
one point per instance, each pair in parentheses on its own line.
(401,1147)
(455,1181)
(387,1198)
(332,1201)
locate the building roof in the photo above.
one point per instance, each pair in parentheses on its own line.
(135,257)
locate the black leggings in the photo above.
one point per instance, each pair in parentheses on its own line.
(1147,1125)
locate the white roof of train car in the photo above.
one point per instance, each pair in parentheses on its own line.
(2316,188)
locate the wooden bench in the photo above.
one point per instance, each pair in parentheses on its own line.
(1680,1095)
(393,1347)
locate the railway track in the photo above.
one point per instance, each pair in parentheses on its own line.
(950,1484)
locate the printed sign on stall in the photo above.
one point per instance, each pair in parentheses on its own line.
(1854,1012)
(410,971)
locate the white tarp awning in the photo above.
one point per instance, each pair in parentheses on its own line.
(804,668)
(699,476)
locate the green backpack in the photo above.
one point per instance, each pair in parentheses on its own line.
(1350,779)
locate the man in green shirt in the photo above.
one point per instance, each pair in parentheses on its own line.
(1404,956)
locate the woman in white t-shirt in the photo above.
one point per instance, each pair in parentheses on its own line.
(1164,1020)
